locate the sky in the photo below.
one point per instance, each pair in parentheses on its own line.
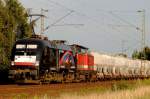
(106,26)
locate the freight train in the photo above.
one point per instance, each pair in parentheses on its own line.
(39,60)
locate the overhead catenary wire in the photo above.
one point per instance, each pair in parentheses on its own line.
(60,19)
(119,24)
(96,21)
(79,13)
(93,19)
(110,12)
(128,23)
(123,20)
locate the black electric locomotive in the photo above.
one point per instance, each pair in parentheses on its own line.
(37,59)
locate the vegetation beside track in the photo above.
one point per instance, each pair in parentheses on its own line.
(138,93)
(118,90)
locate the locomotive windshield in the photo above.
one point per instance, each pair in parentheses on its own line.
(26,49)
(20,46)
(24,46)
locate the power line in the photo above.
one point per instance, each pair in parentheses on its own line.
(68,25)
(129,24)
(141,29)
(60,5)
(123,20)
(91,18)
(60,19)
(72,10)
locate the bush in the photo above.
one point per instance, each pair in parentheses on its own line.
(121,86)
(4,74)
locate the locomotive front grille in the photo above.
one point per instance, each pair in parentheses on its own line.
(22,74)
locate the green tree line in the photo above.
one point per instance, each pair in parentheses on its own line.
(144,54)
(13,26)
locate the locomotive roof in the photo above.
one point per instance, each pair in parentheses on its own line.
(79,46)
(44,43)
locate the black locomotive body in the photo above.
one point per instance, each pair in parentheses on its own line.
(33,59)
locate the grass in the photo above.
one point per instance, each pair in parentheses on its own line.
(119,90)
(139,93)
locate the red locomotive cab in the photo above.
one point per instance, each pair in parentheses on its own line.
(82,62)
(85,62)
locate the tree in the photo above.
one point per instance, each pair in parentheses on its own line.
(13,20)
(144,54)
(20,15)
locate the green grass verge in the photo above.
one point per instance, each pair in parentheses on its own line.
(115,87)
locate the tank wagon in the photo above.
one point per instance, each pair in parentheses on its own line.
(36,60)
(117,67)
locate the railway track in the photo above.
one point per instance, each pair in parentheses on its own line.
(9,91)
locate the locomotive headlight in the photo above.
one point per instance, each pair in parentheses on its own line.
(12,72)
(12,63)
(37,63)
